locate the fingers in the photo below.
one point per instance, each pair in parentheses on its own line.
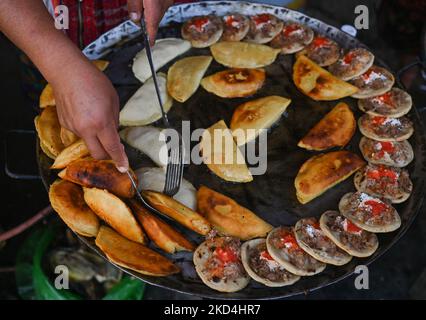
(154,11)
(110,141)
(95,147)
(135,9)
(153,16)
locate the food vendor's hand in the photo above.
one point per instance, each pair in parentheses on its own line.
(88,105)
(154,11)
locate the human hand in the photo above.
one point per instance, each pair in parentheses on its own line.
(154,11)
(88,105)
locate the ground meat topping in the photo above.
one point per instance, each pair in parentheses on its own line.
(266,24)
(283,238)
(202,28)
(292,34)
(265,266)
(224,262)
(312,235)
(392,152)
(233,24)
(322,49)
(375,78)
(348,234)
(387,104)
(369,210)
(351,63)
(384,181)
(387,127)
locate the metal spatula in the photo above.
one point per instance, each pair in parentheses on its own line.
(175,165)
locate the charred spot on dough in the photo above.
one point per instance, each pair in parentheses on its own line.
(315,90)
(236,76)
(304,186)
(303,69)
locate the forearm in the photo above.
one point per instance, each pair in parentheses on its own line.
(28,24)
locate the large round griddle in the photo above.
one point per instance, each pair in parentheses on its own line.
(272,195)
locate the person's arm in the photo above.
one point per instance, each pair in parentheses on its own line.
(87,103)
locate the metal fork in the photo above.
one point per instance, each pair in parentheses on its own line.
(175,163)
(144,202)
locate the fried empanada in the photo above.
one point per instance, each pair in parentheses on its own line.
(101,174)
(143,107)
(230,218)
(336,129)
(48,130)
(184,77)
(162,234)
(234,83)
(67,200)
(317,83)
(324,171)
(68,137)
(164,51)
(179,212)
(114,212)
(222,156)
(47,98)
(71,153)
(132,255)
(243,54)
(253,116)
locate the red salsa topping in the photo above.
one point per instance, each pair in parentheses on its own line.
(320,41)
(376,207)
(316,225)
(348,57)
(226,255)
(351,227)
(387,147)
(385,98)
(265,254)
(288,241)
(261,18)
(379,120)
(382,172)
(200,22)
(230,20)
(287,30)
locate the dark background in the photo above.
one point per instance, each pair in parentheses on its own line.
(394,36)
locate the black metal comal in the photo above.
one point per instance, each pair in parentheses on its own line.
(271,196)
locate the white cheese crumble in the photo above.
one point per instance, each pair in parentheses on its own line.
(235,24)
(365,197)
(378,146)
(310,230)
(296,31)
(392,122)
(272,264)
(375,76)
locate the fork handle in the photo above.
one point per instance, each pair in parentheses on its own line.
(151,65)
